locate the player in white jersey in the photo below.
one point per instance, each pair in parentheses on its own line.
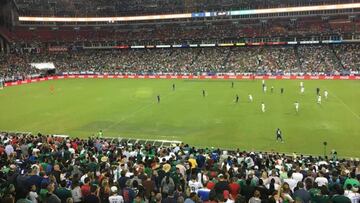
(297,106)
(263,107)
(264,89)
(250,98)
(263,82)
(319,99)
(326,93)
(302,90)
(301,84)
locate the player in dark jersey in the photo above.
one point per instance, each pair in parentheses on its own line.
(173,86)
(204,93)
(158,98)
(279,135)
(317,91)
(237,99)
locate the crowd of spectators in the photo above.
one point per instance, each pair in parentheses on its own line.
(271,60)
(317,59)
(48,169)
(348,55)
(194,32)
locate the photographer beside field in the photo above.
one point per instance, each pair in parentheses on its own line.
(94,162)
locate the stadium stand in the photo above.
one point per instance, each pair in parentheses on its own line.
(186,33)
(261,60)
(61,169)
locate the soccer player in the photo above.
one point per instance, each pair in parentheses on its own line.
(173,86)
(204,93)
(272,89)
(326,94)
(263,82)
(250,98)
(232,84)
(302,90)
(263,107)
(282,90)
(301,84)
(279,135)
(296,106)
(319,99)
(52,89)
(158,98)
(317,91)
(237,99)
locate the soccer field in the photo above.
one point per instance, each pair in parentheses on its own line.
(129,108)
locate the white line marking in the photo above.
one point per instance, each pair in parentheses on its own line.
(137,111)
(346,106)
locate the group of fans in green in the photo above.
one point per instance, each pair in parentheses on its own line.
(48,169)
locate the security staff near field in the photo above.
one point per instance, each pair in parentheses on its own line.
(279,135)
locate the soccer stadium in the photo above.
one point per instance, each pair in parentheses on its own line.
(179,101)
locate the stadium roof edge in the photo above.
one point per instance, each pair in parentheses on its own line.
(192,15)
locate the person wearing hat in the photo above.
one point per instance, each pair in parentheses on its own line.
(115,197)
(222,185)
(166,168)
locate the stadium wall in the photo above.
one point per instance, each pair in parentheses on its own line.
(237,77)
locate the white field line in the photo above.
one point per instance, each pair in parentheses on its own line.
(346,106)
(137,111)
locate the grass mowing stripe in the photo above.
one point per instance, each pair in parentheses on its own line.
(142,108)
(126,108)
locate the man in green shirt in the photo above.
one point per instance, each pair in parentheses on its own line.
(62,192)
(351,180)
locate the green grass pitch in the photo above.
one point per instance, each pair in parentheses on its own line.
(128,108)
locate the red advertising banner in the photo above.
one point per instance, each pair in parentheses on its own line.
(225,77)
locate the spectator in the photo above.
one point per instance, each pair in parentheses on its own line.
(301,193)
(256,197)
(93,197)
(115,197)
